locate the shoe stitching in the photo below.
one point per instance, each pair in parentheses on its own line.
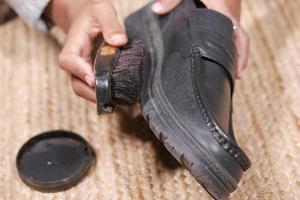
(234,151)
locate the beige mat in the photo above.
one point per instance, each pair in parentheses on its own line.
(36,96)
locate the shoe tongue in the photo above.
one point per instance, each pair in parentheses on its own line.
(208,18)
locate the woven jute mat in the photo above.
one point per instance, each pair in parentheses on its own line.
(36,96)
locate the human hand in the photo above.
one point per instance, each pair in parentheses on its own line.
(96,19)
(230,8)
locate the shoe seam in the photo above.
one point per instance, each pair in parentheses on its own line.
(232,150)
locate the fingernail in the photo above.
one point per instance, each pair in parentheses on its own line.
(89,80)
(118,38)
(156,7)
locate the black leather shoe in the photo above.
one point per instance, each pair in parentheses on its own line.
(188,82)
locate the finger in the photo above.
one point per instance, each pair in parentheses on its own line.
(83,90)
(162,7)
(70,58)
(78,67)
(106,16)
(242,44)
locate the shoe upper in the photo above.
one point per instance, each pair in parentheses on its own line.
(197,76)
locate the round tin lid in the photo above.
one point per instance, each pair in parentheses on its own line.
(54,161)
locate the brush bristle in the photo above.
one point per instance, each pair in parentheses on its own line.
(126,76)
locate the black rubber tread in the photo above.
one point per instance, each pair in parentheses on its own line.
(198,168)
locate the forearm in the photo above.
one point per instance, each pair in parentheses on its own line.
(60,12)
(56,11)
(63,12)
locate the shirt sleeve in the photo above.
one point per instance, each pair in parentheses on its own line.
(30,11)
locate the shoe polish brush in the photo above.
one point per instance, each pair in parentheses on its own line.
(118,75)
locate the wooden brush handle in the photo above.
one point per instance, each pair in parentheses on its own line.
(104,58)
(103,66)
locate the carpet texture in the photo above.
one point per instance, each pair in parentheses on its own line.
(36,96)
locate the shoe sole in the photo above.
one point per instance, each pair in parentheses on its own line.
(193,156)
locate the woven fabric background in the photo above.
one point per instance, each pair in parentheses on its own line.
(36,96)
